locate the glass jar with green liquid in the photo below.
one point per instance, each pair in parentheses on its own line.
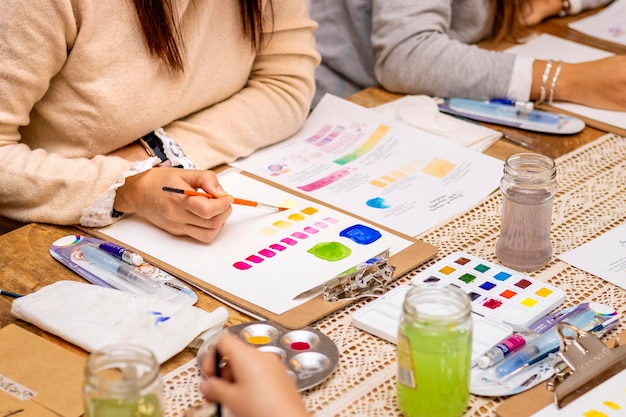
(434,352)
(123,381)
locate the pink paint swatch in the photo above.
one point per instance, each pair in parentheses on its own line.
(277,247)
(267,253)
(242,266)
(254,259)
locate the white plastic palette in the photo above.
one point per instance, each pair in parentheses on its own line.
(497,292)
(503,300)
(382,317)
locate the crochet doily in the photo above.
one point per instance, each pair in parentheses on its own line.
(591,200)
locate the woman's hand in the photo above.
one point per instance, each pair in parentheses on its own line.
(600,84)
(253,383)
(198,217)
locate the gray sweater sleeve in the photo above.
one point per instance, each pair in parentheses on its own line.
(415,53)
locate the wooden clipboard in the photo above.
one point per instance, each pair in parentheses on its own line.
(312,310)
(532,401)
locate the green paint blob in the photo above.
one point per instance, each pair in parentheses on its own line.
(330,251)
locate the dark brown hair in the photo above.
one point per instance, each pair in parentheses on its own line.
(163,37)
(509,20)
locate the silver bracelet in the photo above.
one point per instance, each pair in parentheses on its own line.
(555,77)
(567,6)
(544,81)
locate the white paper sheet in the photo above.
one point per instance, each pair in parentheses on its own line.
(604,257)
(609,24)
(423,113)
(279,249)
(547,47)
(378,168)
(606,400)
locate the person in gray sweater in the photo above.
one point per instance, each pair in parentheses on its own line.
(427,47)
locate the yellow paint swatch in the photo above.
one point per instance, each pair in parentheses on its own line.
(612,405)
(309,210)
(281,224)
(411,166)
(594,413)
(287,203)
(544,292)
(398,174)
(529,302)
(296,217)
(259,340)
(438,168)
(378,183)
(388,178)
(447,270)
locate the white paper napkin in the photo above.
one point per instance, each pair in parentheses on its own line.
(93,317)
(423,113)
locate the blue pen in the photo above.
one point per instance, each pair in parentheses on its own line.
(122,253)
(10,294)
(516,103)
(503,111)
(119,268)
(541,347)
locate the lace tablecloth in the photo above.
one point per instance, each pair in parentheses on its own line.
(591,200)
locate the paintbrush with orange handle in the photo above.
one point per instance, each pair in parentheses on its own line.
(239,201)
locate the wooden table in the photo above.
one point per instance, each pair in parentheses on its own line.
(26,264)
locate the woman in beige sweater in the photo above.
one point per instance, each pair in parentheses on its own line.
(82,80)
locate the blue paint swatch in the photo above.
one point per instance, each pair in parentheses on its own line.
(377,202)
(361,234)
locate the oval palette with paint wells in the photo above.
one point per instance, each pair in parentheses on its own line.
(310,355)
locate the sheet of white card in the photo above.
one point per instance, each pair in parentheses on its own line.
(606,400)
(604,256)
(277,246)
(379,168)
(608,24)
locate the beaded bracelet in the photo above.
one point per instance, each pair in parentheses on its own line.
(554,78)
(544,81)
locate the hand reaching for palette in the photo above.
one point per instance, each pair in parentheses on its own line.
(253,383)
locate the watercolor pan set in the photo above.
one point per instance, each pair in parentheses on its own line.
(497,292)
(381,318)
(503,300)
(310,355)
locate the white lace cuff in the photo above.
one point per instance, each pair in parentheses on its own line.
(99,213)
(173,152)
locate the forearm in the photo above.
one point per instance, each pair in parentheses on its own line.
(42,187)
(446,68)
(416,55)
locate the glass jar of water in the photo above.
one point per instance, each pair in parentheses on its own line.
(528,187)
(123,381)
(434,352)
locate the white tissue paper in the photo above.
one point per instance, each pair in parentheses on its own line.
(93,317)
(423,113)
